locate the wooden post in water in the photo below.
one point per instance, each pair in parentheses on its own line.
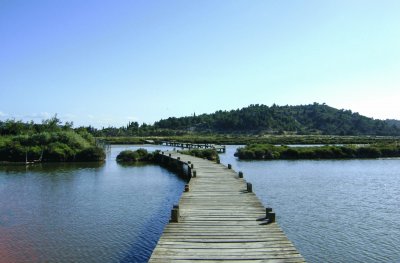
(229,166)
(240,174)
(249,187)
(271,216)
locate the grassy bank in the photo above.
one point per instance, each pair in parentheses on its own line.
(271,152)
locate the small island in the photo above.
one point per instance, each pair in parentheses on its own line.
(50,141)
(140,155)
(273,152)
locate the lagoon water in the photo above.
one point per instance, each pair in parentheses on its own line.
(84,212)
(333,211)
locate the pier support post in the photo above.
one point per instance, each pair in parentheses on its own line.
(175,214)
(186,188)
(192,166)
(240,174)
(271,217)
(249,187)
(268,218)
(194,173)
(229,166)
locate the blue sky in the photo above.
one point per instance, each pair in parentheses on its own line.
(109,62)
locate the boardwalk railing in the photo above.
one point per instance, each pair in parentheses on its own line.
(219,218)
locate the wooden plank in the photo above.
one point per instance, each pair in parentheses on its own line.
(218,222)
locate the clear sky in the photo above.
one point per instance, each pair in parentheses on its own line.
(106,63)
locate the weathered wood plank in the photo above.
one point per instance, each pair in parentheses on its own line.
(218,222)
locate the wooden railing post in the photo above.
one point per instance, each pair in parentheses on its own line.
(249,187)
(175,214)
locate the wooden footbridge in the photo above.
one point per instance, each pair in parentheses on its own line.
(219,218)
(187,145)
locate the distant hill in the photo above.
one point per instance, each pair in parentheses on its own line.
(303,119)
(395,123)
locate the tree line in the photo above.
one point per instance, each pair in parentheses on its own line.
(312,119)
(315,119)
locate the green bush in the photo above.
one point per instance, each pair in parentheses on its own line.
(91,154)
(58,152)
(368,152)
(13,151)
(209,154)
(129,156)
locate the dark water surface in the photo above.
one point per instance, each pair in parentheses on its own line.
(84,212)
(333,211)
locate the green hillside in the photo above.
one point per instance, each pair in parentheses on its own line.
(303,119)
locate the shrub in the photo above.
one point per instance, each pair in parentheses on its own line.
(91,154)
(209,154)
(129,156)
(58,152)
(368,152)
(290,153)
(13,151)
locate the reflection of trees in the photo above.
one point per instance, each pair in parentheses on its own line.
(49,168)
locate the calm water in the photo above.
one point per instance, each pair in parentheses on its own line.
(333,211)
(84,212)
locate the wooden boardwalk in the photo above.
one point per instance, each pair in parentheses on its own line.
(187,145)
(218,221)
